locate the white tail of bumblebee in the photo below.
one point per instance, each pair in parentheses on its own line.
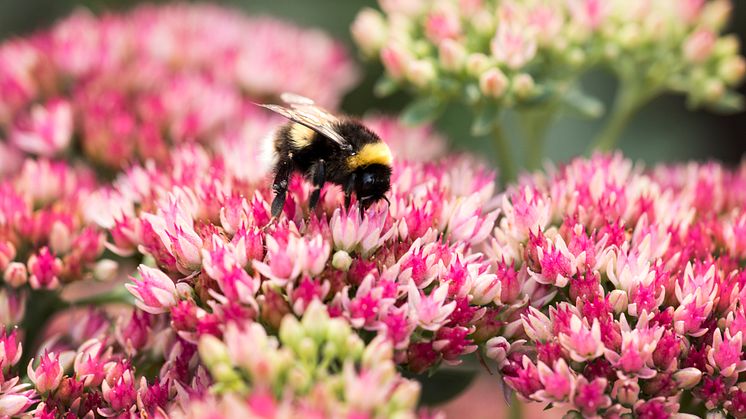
(267,154)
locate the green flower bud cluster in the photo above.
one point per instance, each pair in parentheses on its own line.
(529,55)
(317,361)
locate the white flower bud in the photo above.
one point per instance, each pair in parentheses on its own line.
(341,260)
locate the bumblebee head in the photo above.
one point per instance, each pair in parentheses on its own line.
(371,183)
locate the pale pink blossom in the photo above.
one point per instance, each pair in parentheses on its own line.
(154,291)
(429,310)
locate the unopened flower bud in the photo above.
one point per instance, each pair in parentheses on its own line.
(523,85)
(493,83)
(299,379)
(396,59)
(59,238)
(213,351)
(698,47)
(713,90)
(407,394)
(316,321)
(341,260)
(452,55)
(618,300)
(7,254)
(338,332)
(16,274)
(477,63)
(726,46)
(421,73)
(484,22)
(715,14)
(626,391)
(105,270)
(687,378)
(369,31)
(732,69)
(291,331)
(379,350)
(12,306)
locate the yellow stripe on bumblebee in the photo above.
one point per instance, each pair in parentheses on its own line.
(301,135)
(375,153)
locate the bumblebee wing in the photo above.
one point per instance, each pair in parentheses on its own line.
(293,99)
(305,112)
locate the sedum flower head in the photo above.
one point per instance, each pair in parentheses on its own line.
(128,76)
(632,290)
(530,54)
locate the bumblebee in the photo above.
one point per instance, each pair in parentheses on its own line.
(326,148)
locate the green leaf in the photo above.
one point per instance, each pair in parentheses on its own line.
(485,120)
(421,111)
(385,86)
(445,384)
(580,104)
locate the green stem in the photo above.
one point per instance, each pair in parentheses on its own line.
(535,124)
(41,306)
(119,295)
(515,410)
(503,155)
(628,100)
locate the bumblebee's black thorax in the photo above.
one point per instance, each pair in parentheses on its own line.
(305,147)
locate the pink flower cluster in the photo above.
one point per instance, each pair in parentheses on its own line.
(44,240)
(406,271)
(632,285)
(128,86)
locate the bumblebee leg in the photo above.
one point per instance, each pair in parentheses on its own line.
(319,178)
(280,185)
(348,190)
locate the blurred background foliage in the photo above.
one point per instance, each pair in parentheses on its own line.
(663,131)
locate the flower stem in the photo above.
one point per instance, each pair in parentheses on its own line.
(41,306)
(503,155)
(515,410)
(535,124)
(628,100)
(119,295)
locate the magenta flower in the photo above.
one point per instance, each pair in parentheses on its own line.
(725,354)
(353,233)
(47,375)
(44,269)
(430,311)
(118,390)
(581,341)
(10,349)
(89,363)
(558,382)
(154,291)
(47,130)
(591,396)
(16,398)
(298,255)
